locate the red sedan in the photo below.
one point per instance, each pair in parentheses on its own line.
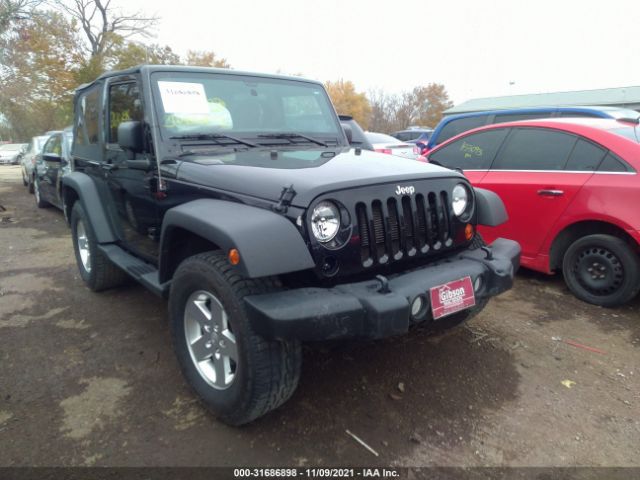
(572,191)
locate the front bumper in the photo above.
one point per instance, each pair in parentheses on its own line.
(359,310)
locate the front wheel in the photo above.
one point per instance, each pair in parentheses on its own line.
(602,269)
(24,178)
(238,374)
(40,203)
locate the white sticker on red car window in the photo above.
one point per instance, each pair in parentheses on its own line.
(183,97)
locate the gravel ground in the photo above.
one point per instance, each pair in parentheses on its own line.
(90,379)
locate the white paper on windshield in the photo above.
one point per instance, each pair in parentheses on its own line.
(183,97)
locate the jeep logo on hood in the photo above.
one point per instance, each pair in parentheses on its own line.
(409,190)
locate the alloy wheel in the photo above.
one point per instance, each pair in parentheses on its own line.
(210,340)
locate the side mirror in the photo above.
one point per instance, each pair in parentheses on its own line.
(130,136)
(348,132)
(51,157)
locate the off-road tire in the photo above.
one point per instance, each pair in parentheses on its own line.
(619,260)
(30,184)
(24,179)
(40,203)
(103,274)
(267,371)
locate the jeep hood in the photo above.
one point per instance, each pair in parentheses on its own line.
(312,172)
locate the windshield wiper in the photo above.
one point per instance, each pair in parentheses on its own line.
(215,137)
(291,135)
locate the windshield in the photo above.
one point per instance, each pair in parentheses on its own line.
(242,106)
(380,138)
(40,141)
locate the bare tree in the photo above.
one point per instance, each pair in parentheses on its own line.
(103,25)
(15,10)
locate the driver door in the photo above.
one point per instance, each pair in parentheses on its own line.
(133,205)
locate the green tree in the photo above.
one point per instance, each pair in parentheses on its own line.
(429,104)
(199,58)
(38,76)
(349,102)
(130,54)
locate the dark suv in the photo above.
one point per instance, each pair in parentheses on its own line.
(238,197)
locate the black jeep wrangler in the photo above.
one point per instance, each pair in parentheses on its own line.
(237,196)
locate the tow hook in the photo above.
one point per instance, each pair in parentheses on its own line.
(384,284)
(488,252)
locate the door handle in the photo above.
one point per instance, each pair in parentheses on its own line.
(109,166)
(551,193)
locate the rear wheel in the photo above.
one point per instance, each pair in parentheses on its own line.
(96,270)
(238,374)
(30,183)
(602,269)
(24,178)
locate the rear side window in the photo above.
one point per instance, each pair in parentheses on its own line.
(535,149)
(457,126)
(514,117)
(87,123)
(580,115)
(613,163)
(473,152)
(585,157)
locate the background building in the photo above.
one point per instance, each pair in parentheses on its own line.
(624,97)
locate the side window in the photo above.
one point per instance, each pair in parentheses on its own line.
(53,145)
(460,125)
(585,157)
(535,149)
(579,115)
(124,106)
(514,117)
(613,163)
(473,152)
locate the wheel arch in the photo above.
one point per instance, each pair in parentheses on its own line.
(574,231)
(78,186)
(269,244)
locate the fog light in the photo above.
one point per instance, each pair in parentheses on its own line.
(477,285)
(416,306)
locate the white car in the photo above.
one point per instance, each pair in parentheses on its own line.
(11,153)
(29,160)
(384,143)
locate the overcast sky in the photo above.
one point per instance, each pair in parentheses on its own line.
(475,48)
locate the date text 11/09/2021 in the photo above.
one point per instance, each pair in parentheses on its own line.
(316,473)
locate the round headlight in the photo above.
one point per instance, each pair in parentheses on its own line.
(325,221)
(459,199)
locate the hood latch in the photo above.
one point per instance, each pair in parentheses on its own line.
(284,202)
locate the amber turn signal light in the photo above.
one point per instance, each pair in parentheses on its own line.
(468,232)
(234,256)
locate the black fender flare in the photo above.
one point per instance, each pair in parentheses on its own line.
(87,193)
(490,208)
(269,243)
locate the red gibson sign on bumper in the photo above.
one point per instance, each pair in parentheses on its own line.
(452,297)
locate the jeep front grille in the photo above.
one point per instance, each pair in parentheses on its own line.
(407,226)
